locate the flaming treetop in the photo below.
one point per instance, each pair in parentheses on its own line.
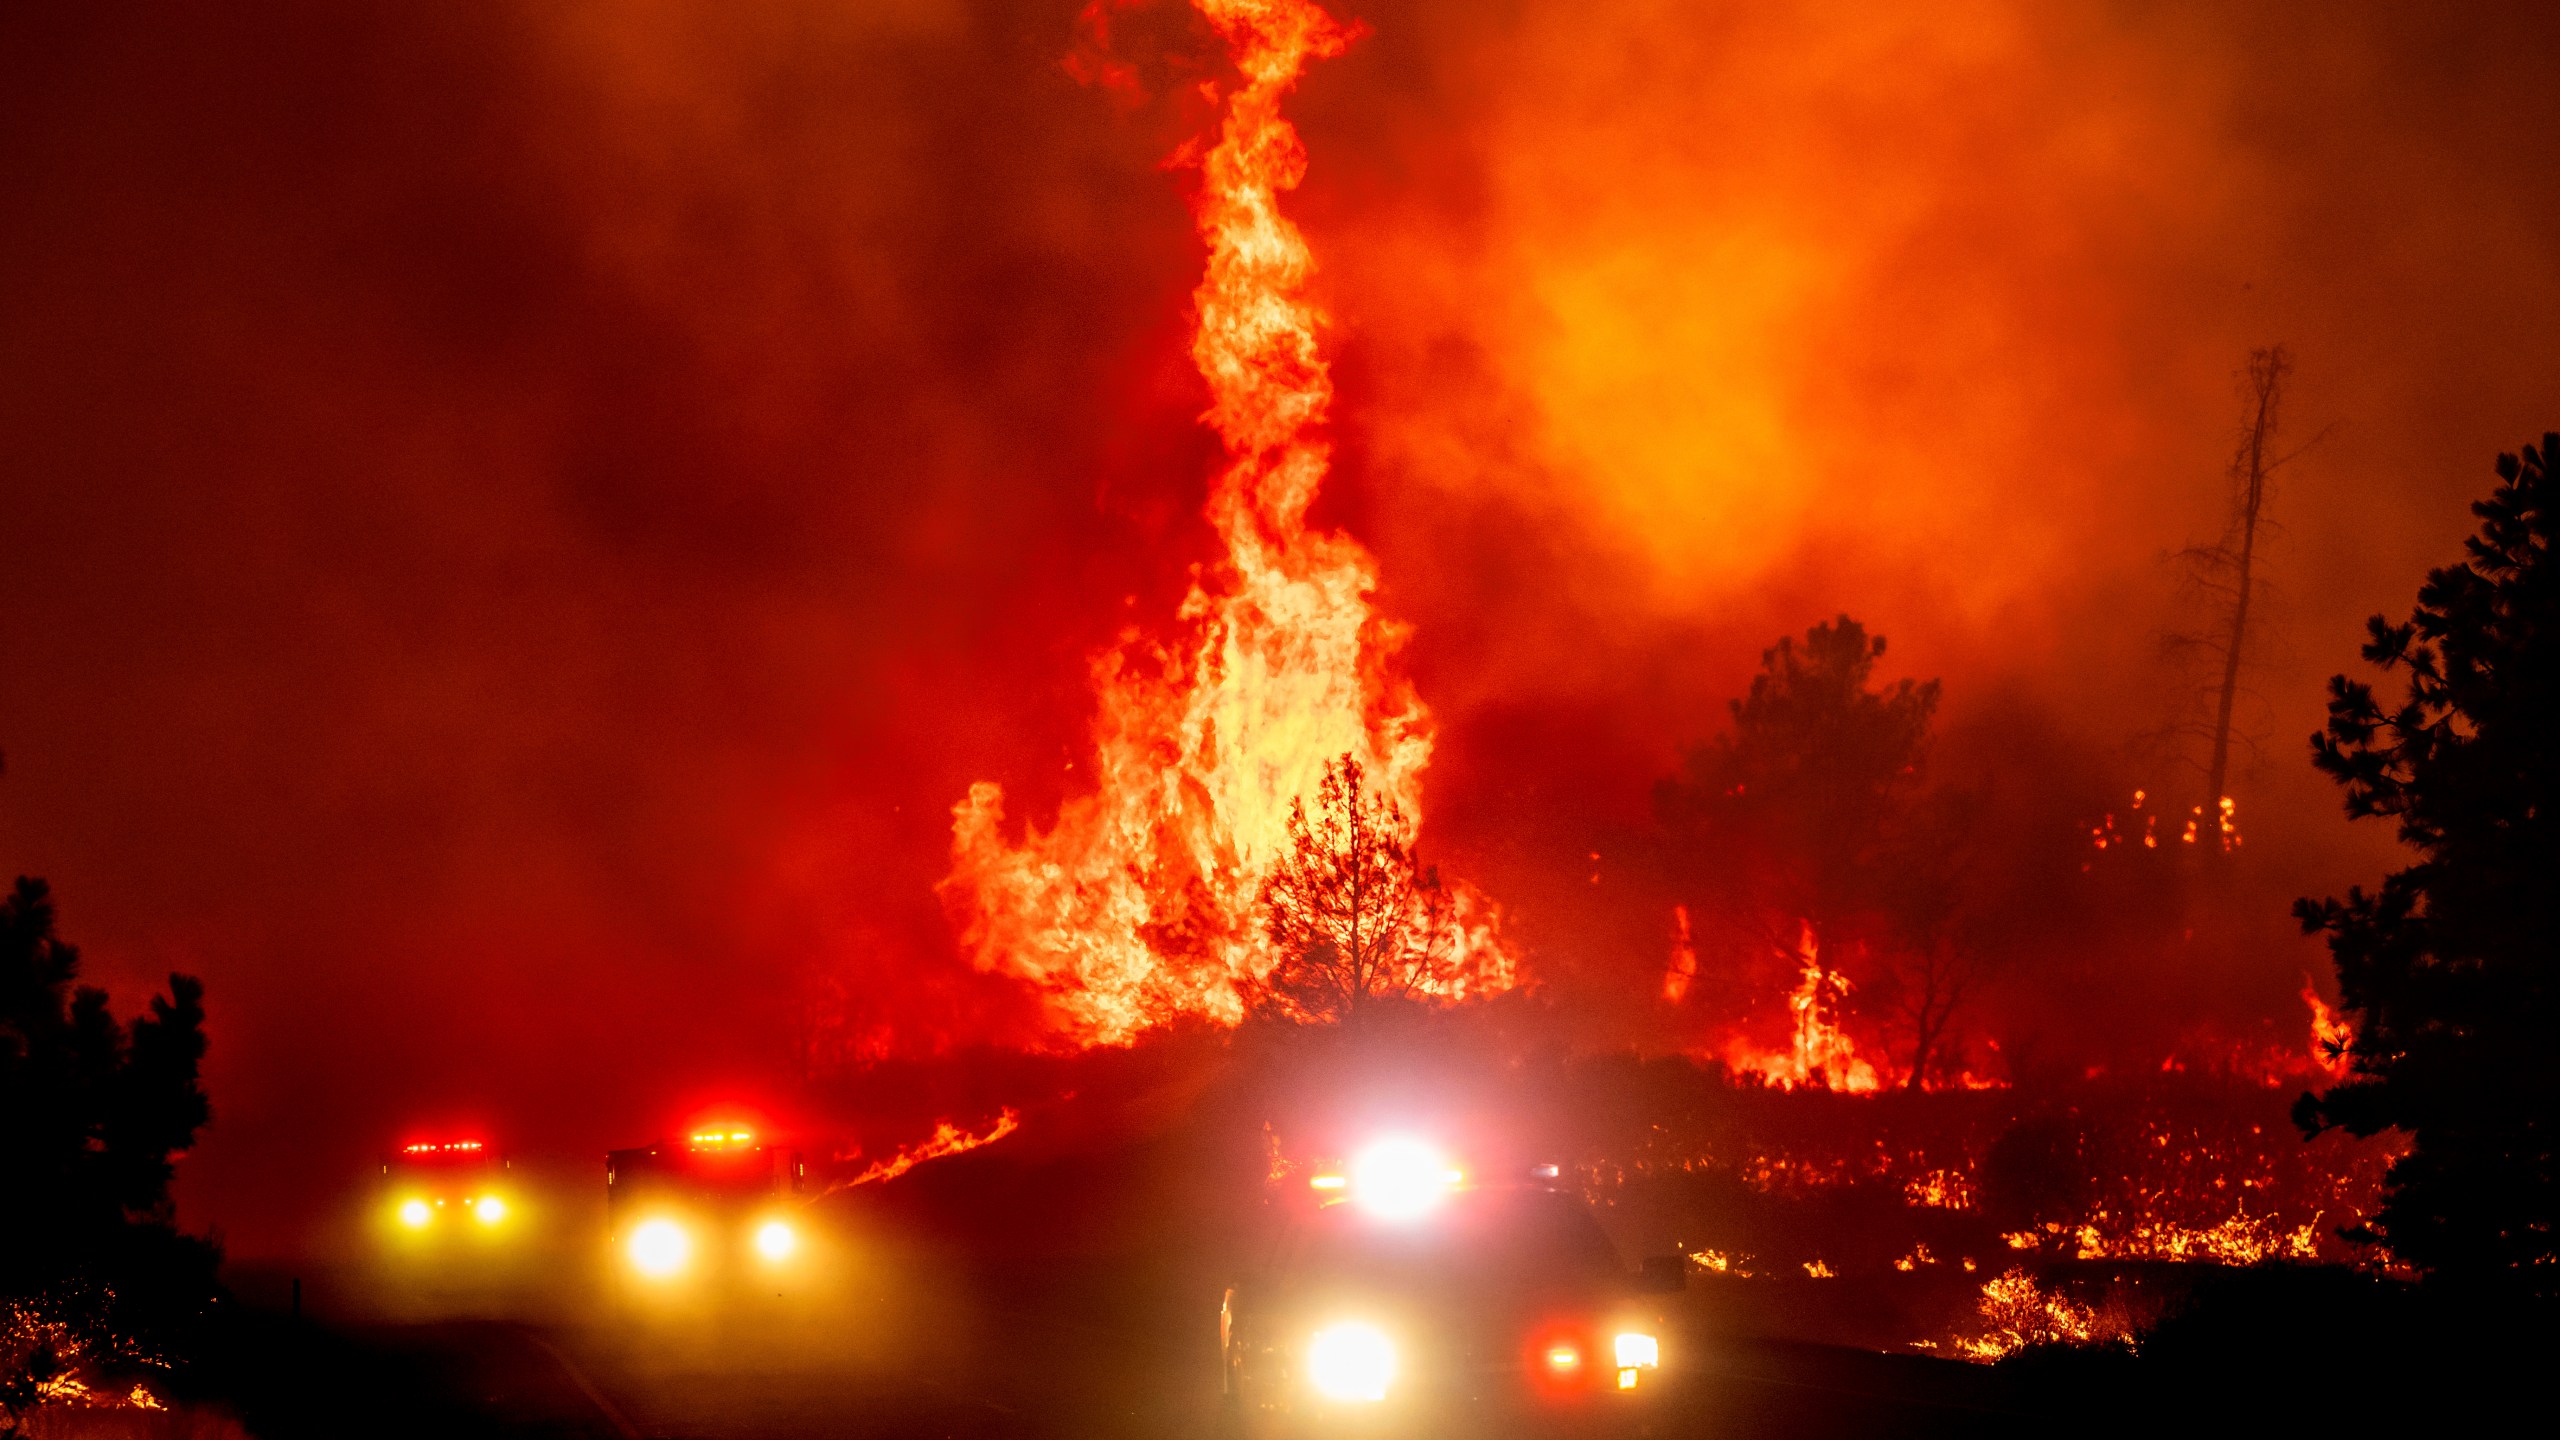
(1139,904)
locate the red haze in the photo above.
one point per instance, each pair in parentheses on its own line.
(525,517)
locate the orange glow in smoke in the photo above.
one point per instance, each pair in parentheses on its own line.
(1141,903)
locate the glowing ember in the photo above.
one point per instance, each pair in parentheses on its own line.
(947,1139)
(1942,1189)
(1140,904)
(1719,1262)
(2239,1240)
(2221,826)
(2017,1313)
(75,1360)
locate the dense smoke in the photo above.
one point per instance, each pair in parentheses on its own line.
(526,517)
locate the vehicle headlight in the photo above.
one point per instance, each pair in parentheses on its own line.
(660,1248)
(416,1213)
(489,1209)
(776,1240)
(1351,1362)
(1637,1350)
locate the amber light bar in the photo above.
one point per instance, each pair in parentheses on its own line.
(449,1147)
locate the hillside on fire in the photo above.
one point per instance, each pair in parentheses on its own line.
(1277,718)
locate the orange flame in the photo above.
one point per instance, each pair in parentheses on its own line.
(2016,1313)
(1684,958)
(1141,903)
(1821,1053)
(2331,1035)
(947,1139)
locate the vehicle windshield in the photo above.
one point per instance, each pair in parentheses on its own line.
(746,1173)
(1481,1237)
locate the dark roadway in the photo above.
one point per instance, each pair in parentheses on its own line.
(1051,1361)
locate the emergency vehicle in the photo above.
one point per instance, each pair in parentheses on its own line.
(1417,1298)
(442,1193)
(718,1207)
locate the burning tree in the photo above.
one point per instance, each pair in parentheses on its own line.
(1355,919)
(1807,835)
(1138,905)
(2448,968)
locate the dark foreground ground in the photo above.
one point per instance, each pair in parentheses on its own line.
(1052,1371)
(1119,1352)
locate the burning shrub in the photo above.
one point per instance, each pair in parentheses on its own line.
(62,1349)
(2017,1312)
(1354,919)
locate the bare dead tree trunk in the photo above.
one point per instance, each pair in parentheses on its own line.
(2267,369)
(1941,982)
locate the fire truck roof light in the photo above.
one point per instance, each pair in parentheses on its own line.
(1399,1179)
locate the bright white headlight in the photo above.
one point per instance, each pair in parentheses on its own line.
(660,1248)
(775,1240)
(1351,1362)
(1636,1349)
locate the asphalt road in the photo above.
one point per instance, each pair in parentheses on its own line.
(1039,1363)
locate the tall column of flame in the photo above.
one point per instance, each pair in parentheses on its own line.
(1140,904)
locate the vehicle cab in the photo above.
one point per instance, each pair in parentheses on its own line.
(716,1207)
(442,1193)
(1415,1297)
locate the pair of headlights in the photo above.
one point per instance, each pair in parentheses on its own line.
(1355,1363)
(417,1213)
(663,1247)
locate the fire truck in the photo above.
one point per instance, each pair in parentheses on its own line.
(718,1208)
(1413,1297)
(440,1194)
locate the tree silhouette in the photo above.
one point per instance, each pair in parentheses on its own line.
(2223,583)
(1806,830)
(1356,921)
(2448,969)
(96,1282)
